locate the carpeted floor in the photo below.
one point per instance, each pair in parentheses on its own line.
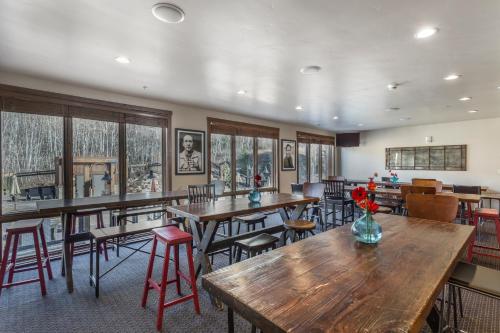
(23,309)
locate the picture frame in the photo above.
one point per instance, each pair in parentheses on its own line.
(190,153)
(288,155)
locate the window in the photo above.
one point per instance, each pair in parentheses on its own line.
(239,151)
(316,157)
(144,158)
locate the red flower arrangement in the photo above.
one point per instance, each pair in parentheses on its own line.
(360,196)
(257,181)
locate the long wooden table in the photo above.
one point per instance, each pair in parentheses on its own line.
(446,187)
(66,207)
(331,283)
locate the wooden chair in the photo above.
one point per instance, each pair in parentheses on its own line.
(201,193)
(407,189)
(466,211)
(432,207)
(424,182)
(301,227)
(335,195)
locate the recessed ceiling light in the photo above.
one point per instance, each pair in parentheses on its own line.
(361,125)
(451,77)
(498,87)
(168,13)
(310,69)
(335,117)
(392,86)
(465,98)
(299,108)
(242,92)
(426,32)
(122,60)
(472,111)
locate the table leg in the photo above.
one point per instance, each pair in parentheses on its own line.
(67,265)
(230,320)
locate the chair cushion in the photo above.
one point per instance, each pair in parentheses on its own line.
(479,278)
(26,225)
(253,218)
(172,234)
(486,212)
(300,224)
(262,240)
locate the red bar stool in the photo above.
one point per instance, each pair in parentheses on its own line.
(16,230)
(171,236)
(487,214)
(97,212)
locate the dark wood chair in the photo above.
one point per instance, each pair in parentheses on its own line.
(255,245)
(432,207)
(335,195)
(466,210)
(201,193)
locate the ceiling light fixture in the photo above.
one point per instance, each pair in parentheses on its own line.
(472,111)
(361,125)
(310,69)
(426,32)
(392,109)
(451,77)
(465,98)
(405,118)
(335,117)
(392,86)
(299,108)
(242,92)
(168,13)
(122,60)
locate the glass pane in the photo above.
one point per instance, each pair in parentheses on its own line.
(326,161)
(314,163)
(302,162)
(244,162)
(408,159)
(220,156)
(144,168)
(95,158)
(32,147)
(265,161)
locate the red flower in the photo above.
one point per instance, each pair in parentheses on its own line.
(358,194)
(368,205)
(258,178)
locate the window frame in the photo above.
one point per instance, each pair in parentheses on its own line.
(24,100)
(234,129)
(322,140)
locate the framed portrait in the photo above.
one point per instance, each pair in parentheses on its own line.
(288,155)
(189,152)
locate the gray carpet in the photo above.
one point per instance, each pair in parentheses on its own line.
(23,309)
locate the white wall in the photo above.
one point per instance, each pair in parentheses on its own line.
(482,138)
(183,117)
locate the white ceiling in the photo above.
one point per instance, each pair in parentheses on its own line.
(260,45)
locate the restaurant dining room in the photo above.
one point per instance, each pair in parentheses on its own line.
(260,166)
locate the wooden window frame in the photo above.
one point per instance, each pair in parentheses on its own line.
(24,100)
(321,140)
(234,129)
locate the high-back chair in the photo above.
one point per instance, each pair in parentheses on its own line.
(201,193)
(432,207)
(466,213)
(335,195)
(424,182)
(297,188)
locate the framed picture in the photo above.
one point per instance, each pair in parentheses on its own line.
(288,155)
(189,152)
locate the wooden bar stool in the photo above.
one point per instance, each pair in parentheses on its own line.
(16,230)
(487,214)
(97,212)
(251,221)
(255,245)
(171,236)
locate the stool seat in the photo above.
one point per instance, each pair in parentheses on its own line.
(173,235)
(262,240)
(24,225)
(300,224)
(478,278)
(487,212)
(251,218)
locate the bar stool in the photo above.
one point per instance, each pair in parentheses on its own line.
(255,245)
(97,212)
(299,228)
(16,230)
(251,221)
(171,237)
(487,214)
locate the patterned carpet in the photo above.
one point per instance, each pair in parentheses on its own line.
(23,309)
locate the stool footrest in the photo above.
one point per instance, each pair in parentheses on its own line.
(18,283)
(178,300)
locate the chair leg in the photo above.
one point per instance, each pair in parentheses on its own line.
(163,288)
(473,239)
(4,263)
(39,263)
(45,253)
(238,254)
(149,272)
(13,259)
(177,275)
(192,275)
(100,224)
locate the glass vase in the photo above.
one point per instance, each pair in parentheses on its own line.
(394,179)
(366,230)
(254,195)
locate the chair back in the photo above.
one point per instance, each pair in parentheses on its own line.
(466,189)
(432,207)
(335,178)
(315,190)
(424,182)
(201,193)
(334,188)
(385,179)
(407,189)
(219,187)
(297,188)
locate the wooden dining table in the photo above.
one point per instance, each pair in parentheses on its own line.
(332,283)
(67,207)
(446,187)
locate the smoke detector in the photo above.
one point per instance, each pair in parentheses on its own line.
(168,13)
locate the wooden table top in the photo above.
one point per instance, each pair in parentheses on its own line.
(331,283)
(448,187)
(229,207)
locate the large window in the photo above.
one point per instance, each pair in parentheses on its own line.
(315,157)
(240,151)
